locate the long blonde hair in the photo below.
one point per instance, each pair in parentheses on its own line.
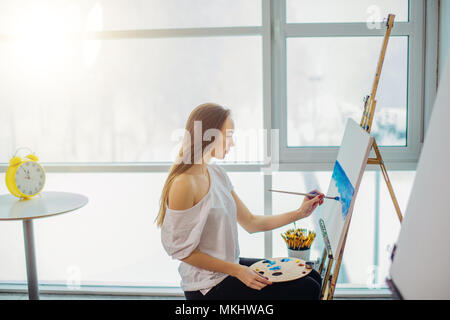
(211,116)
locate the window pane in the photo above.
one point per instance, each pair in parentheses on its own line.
(306,11)
(373,230)
(296,182)
(327,79)
(124,100)
(388,224)
(74,15)
(250,189)
(111,241)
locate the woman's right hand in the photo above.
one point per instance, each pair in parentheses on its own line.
(310,204)
(251,278)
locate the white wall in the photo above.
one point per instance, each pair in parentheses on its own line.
(444,36)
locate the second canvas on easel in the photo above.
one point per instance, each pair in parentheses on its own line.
(345,180)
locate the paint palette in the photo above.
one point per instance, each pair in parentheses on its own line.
(281,269)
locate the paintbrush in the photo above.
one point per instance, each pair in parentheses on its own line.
(311,195)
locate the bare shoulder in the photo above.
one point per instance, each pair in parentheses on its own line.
(182,192)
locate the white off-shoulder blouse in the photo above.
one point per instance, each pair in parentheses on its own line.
(210,225)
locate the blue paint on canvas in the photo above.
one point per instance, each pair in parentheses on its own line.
(344,186)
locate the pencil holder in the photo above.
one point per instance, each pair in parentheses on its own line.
(303,254)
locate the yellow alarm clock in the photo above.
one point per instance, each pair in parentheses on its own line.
(25,178)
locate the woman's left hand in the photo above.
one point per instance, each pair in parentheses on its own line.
(310,204)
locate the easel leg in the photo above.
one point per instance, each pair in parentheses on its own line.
(391,191)
(387,180)
(333,279)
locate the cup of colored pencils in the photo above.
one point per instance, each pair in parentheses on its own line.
(298,242)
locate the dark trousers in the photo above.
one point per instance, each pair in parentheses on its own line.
(231,288)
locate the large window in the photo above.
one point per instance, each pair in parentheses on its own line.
(325,92)
(101,90)
(125,96)
(328,52)
(110,242)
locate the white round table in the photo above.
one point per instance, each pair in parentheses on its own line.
(45,204)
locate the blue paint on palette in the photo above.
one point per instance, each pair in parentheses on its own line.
(270,262)
(275,268)
(285,260)
(344,187)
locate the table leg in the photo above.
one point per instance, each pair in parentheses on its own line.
(28,236)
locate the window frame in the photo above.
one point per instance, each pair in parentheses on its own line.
(323,157)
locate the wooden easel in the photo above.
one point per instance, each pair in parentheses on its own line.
(329,282)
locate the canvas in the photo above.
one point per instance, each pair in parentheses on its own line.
(346,177)
(422,260)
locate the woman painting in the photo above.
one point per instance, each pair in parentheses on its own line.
(198,216)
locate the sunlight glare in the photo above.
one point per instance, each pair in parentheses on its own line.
(94,23)
(39,36)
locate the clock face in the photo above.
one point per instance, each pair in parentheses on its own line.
(30,178)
